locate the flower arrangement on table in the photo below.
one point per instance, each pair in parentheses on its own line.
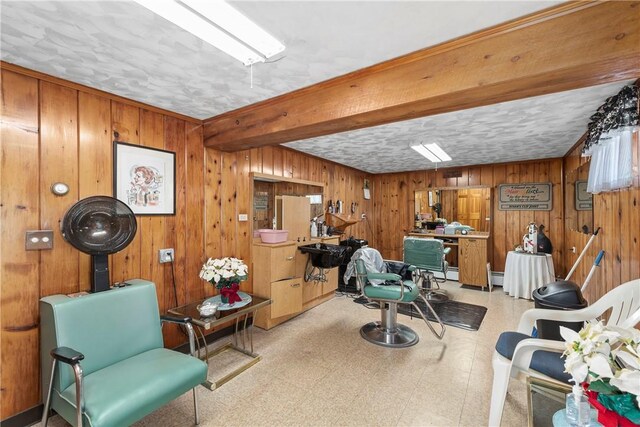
(605,360)
(226,274)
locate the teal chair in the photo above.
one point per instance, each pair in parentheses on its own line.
(427,255)
(388,290)
(107,360)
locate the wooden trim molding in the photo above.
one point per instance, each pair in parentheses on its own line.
(566,47)
(87,89)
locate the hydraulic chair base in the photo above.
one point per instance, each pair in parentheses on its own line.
(388,332)
(400,336)
(427,279)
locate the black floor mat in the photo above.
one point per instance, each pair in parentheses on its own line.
(453,313)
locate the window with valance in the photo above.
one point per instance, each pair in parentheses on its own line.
(610,142)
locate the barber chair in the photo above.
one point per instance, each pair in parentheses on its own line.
(389,290)
(427,255)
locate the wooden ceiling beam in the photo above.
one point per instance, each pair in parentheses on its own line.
(570,46)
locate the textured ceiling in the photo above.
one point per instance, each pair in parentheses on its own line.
(122,48)
(533,128)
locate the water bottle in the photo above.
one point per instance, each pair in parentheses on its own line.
(578,409)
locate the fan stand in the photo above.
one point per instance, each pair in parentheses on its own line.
(100,273)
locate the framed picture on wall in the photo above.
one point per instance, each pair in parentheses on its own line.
(144,179)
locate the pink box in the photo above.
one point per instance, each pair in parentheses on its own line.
(274,236)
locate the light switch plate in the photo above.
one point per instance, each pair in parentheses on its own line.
(243,217)
(36,240)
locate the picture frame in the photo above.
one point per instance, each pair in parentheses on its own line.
(144,178)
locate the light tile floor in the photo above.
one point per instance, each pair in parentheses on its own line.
(317,370)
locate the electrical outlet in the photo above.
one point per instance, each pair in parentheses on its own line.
(166,255)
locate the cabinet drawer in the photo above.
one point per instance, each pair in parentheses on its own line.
(283,263)
(286,297)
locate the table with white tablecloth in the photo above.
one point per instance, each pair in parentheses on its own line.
(524,273)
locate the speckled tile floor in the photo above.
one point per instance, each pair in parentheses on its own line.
(316,370)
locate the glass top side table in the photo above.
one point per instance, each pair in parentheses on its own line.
(544,399)
(241,340)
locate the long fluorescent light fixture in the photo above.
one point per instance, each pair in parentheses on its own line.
(432,152)
(220,25)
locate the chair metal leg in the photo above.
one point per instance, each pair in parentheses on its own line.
(77,370)
(195,405)
(47,403)
(433,312)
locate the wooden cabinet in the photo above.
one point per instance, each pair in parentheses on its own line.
(472,261)
(286,297)
(278,274)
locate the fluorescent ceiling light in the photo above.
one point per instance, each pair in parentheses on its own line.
(432,152)
(238,25)
(197,22)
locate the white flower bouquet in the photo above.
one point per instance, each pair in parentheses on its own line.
(606,358)
(224,272)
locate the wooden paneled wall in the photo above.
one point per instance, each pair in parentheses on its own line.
(59,131)
(393,196)
(226,236)
(617,214)
(55,132)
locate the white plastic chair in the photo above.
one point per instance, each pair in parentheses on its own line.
(624,302)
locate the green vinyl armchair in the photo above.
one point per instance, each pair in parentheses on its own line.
(103,359)
(388,290)
(428,255)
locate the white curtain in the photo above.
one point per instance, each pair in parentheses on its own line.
(611,161)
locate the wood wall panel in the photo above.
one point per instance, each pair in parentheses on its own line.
(94,170)
(52,132)
(152,228)
(125,123)
(195,213)
(175,228)
(19,269)
(59,163)
(393,196)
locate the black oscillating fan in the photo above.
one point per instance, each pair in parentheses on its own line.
(99,226)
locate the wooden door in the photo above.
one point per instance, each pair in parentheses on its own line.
(296,216)
(472,208)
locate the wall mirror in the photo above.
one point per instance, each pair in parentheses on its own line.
(468,206)
(578,203)
(268,189)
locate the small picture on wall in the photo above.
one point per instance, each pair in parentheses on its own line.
(144,179)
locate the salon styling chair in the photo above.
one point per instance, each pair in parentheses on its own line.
(388,290)
(427,255)
(103,359)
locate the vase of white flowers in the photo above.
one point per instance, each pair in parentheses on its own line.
(226,274)
(606,361)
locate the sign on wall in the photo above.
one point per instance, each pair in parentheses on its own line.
(525,197)
(584,200)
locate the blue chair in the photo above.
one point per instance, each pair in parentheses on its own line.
(108,363)
(388,290)
(427,255)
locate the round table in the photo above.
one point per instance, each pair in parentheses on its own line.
(525,272)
